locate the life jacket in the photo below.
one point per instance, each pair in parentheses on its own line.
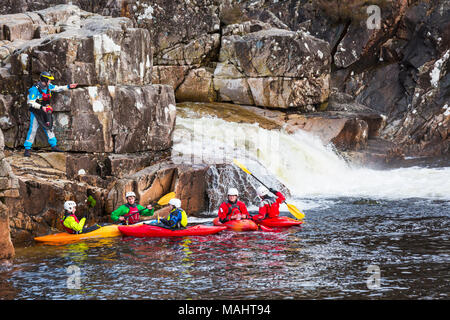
(44,119)
(183,222)
(233,208)
(68,230)
(133,215)
(270,206)
(45,97)
(267,202)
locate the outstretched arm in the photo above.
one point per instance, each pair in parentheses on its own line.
(55,88)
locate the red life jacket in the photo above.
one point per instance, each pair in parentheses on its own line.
(45,100)
(133,215)
(231,209)
(270,207)
(68,230)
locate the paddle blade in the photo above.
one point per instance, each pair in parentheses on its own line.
(165,199)
(240,165)
(295,212)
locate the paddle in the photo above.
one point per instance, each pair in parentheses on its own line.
(292,209)
(165,199)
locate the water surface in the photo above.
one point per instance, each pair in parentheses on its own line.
(327,258)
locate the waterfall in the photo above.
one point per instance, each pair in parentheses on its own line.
(300,161)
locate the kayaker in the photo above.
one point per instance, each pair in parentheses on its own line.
(130,212)
(232,209)
(70,221)
(39,102)
(269,206)
(177,218)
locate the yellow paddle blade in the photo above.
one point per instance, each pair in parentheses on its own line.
(165,199)
(240,165)
(295,212)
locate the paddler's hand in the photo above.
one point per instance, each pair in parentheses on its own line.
(149,207)
(236,217)
(73,85)
(121,219)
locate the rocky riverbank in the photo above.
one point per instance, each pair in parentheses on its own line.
(376,94)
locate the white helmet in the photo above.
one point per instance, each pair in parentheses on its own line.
(233,192)
(69,205)
(175,202)
(130,194)
(262,191)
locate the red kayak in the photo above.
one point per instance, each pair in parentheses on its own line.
(145,230)
(237,225)
(280,222)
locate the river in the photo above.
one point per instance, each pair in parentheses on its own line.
(368,234)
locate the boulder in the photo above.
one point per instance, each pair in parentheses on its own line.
(89,50)
(42,188)
(117,119)
(360,41)
(155,181)
(220,177)
(425,127)
(273,68)
(183,33)
(197,86)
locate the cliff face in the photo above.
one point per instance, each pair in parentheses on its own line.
(116,122)
(304,56)
(279,54)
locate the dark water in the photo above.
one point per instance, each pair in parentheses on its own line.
(327,258)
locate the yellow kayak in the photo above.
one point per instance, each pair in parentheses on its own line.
(64,237)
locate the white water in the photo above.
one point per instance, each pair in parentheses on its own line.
(301,162)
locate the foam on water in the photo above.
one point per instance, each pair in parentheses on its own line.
(307,167)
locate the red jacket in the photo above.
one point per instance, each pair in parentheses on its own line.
(227,209)
(269,207)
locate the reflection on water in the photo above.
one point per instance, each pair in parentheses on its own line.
(326,258)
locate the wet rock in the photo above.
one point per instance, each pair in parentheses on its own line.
(220,177)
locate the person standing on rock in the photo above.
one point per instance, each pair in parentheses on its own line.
(70,221)
(232,209)
(39,102)
(131,212)
(270,206)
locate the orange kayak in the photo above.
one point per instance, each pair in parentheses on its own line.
(237,225)
(64,237)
